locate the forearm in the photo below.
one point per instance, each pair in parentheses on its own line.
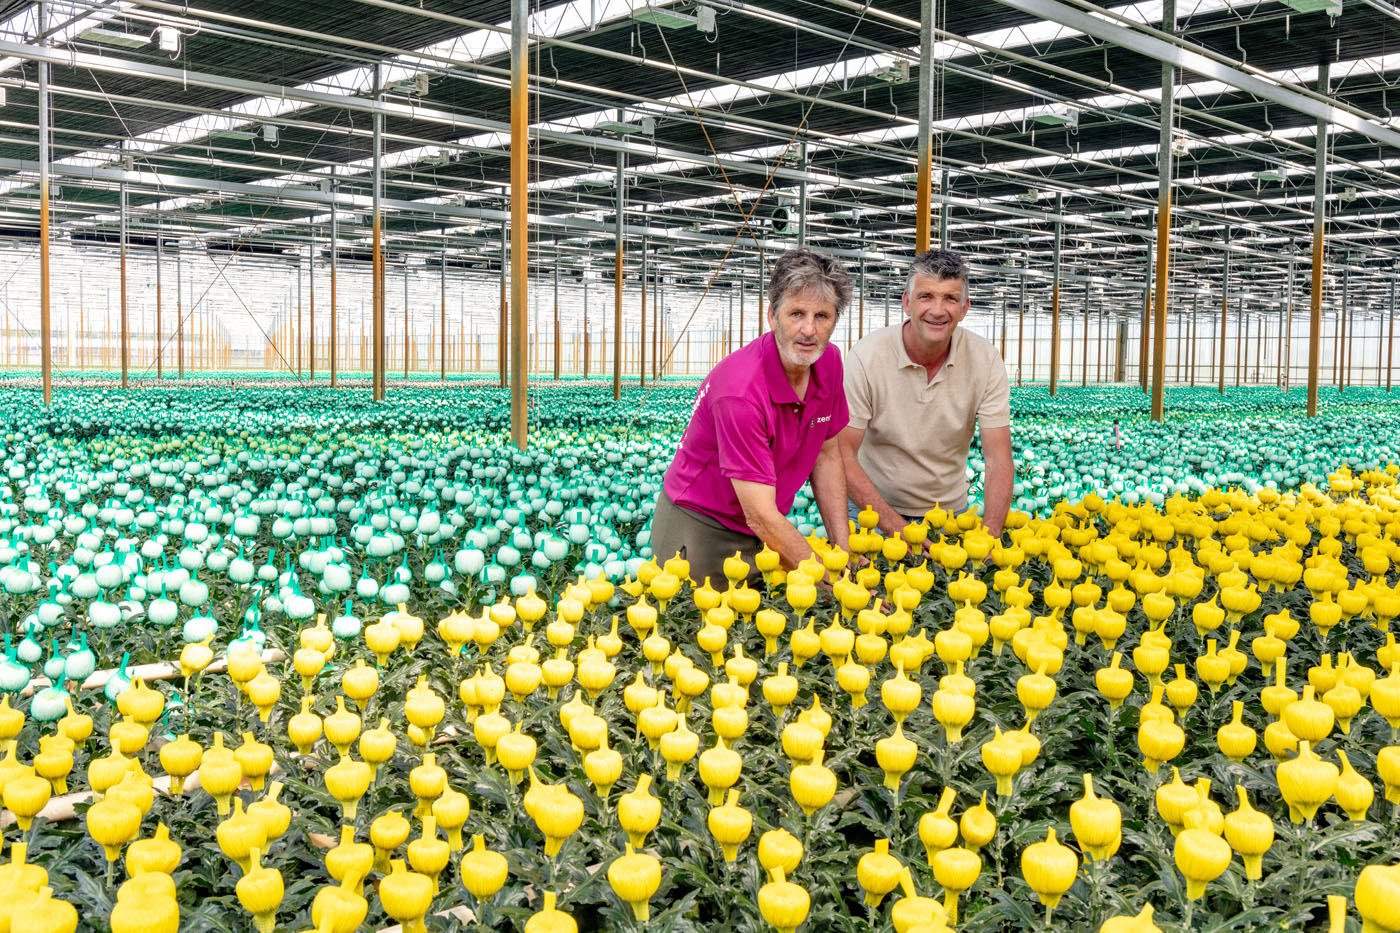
(829,489)
(863,493)
(779,534)
(996,495)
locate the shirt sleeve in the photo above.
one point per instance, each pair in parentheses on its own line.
(994,410)
(743,448)
(856,405)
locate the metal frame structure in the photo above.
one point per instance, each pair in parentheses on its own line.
(1046,123)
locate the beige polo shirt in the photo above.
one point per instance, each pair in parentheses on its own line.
(918,432)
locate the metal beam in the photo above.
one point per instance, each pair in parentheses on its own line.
(1207,64)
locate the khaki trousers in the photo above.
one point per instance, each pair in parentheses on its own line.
(698,538)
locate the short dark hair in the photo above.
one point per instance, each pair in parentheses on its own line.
(804,268)
(940,264)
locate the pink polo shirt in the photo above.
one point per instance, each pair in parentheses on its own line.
(749,424)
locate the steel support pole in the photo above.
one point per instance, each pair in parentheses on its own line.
(1084,360)
(1344,320)
(519,217)
(503,324)
(1021,331)
(923,215)
(335,246)
(587,337)
(1145,331)
(1164,214)
(1004,301)
(1224,310)
(1241,341)
(159,349)
(944,213)
(1319,222)
(377,265)
(1195,325)
(742,303)
(45,331)
(642,335)
(1286,357)
(1055,301)
(558,337)
(802,197)
(179,315)
(405,318)
(860,312)
(122,311)
(1390,338)
(617,276)
(311,287)
(299,316)
(442,316)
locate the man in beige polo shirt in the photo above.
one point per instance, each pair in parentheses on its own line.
(916,390)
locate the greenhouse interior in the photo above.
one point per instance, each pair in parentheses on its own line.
(815,466)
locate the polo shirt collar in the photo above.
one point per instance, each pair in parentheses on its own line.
(779,389)
(955,352)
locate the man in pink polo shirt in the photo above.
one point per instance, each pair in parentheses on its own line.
(765,421)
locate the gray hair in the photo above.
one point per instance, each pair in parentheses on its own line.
(940,264)
(801,269)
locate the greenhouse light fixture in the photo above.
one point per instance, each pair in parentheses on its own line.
(113,37)
(666,19)
(1056,115)
(1330,7)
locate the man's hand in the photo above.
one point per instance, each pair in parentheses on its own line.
(859,488)
(760,504)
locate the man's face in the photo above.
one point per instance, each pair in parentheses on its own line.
(935,307)
(802,326)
